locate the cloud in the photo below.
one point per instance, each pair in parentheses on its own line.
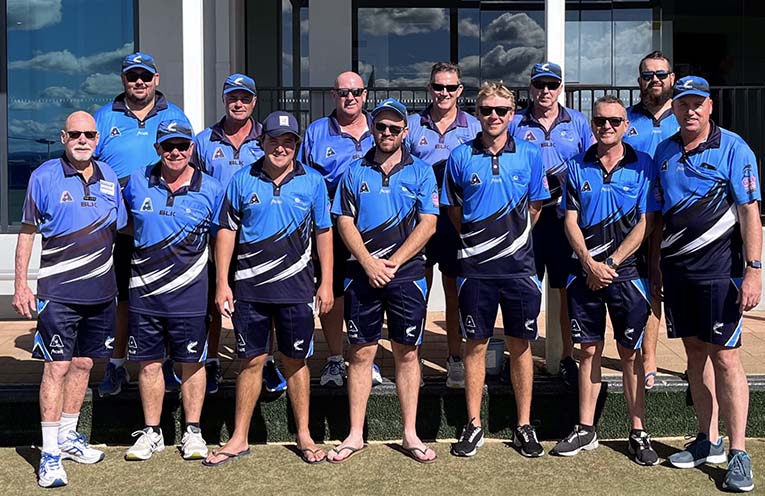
(102,85)
(515,30)
(26,105)
(29,128)
(468,28)
(66,62)
(58,92)
(29,15)
(401,22)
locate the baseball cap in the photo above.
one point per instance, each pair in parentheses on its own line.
(139,59)
(547,69)
(239,82)
(691,85)
(390,104)
(175,128)
(279,123)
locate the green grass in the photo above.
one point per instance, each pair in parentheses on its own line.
(382,470)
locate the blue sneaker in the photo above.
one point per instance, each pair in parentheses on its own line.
(51,472)
(333,374)
(699,451)
(212,369)
(114,378)
(172,382)
(273,378)
(739,476)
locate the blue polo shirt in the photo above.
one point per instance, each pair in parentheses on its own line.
(646,132)
(386,207)
(494,192)
(126,143)
(330,151)
(610,204)
(216,155)
(275,222)
(568,136)
(702,189)
(171,236)
(78,221)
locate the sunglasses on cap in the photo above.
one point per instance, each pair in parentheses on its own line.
(76,134)
(648,75)
(601,121)
(500,111)
(167,146)
(394,130)
(451,88)
(134,76)
(343,92)
(551,85)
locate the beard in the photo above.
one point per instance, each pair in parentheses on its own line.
(651,100)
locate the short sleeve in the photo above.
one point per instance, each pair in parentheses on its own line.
(345,202)
(538,187)
(744,177)
(427,195)
(570,198)
(320,208)
(451,189)
(35,202)
(229,215)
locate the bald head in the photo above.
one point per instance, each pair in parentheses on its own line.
(80,120)
(349,80)
(79,137)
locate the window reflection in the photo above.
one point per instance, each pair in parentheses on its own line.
(511,43)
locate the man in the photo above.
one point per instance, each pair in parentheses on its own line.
(76,204)
(386,207)
(271,211)
(494,186)
(331,144)
(561,133)
(610,200)
(128,128)
(433,134)
(172,206)
(710,259)
(221,150)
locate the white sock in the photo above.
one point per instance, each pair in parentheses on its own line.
(50,437)
(68,423)
(335,358)
(118,362)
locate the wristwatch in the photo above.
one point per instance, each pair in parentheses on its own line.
(611,263)
(755,264)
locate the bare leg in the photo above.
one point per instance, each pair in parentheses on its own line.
(408,389)
(299,391)
(76,384)
(475,376)
(193,390)
(332,325)
(522,376)
(650,341)
(732,393)
(634,390)
(589,381)
(701,380)
(151,385)
(52,390)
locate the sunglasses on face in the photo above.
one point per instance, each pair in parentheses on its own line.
(343,92)
(601,121)
(73,135)
(451,88)
(246,99)
(648,75)
(500,111)
(132,77)
(394,130)
(551,85)
(169,147)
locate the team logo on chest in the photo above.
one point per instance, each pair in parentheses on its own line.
(664,166)
(530,136)
(115,132)
(330,152)
(586,186)
(66,197)
(218,153)
(423,141)
(254,199)
(632,132)
(146,206)
(474,179)
(364,187)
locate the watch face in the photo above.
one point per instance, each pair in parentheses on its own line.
(755,264)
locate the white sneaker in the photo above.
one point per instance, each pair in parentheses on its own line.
(193,446)
(76,448)
(376,375)
(455,373)
(333,373)
(148,443)
(51,472)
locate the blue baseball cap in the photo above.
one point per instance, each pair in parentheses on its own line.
(241,82)
(139,59)
(279,123)
(547,69)
(690,85)
(175,128)
(390,104)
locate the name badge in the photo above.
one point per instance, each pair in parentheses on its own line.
(107,187)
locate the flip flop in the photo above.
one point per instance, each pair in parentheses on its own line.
(304,456)
(412,453)
(229,457)
(353,452)
(649,376)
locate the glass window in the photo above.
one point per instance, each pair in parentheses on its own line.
(511,43)
(63,55)
(469,46)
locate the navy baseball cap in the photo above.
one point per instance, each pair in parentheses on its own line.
(390,104)
(175,128)
(691,85)
(279,123)
(139,59)
(547,69)
(239,82)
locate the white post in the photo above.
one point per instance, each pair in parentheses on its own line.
(193,63)
(555,34)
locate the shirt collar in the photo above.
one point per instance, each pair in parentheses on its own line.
(563,116)
(640,108)
(256,170)
(427,121)
(334,126)
(406,159)
(70,170)
(155,179)
(217,132)
(630,155)
(160,103)
(479,149)
(713,140)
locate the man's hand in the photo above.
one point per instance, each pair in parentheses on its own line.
(380,271)
(24,302)
(599,275)
(751,289)
(224,300)
(325,299)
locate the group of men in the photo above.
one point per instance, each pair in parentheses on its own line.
(613,209)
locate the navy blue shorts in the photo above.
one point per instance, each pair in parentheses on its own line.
(628,304)
(706,310)
(123,254)
(293,322)
(520,300)
(442,247)
(402,302)
(552,250)
(66,330)
(185,338)
(340,261)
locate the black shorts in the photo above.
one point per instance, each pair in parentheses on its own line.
(66,330)
(185,338)
(293,322)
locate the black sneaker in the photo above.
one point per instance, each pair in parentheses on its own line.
(575,442)
(525,439)
(569,372)
(469,442)
(640,448)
